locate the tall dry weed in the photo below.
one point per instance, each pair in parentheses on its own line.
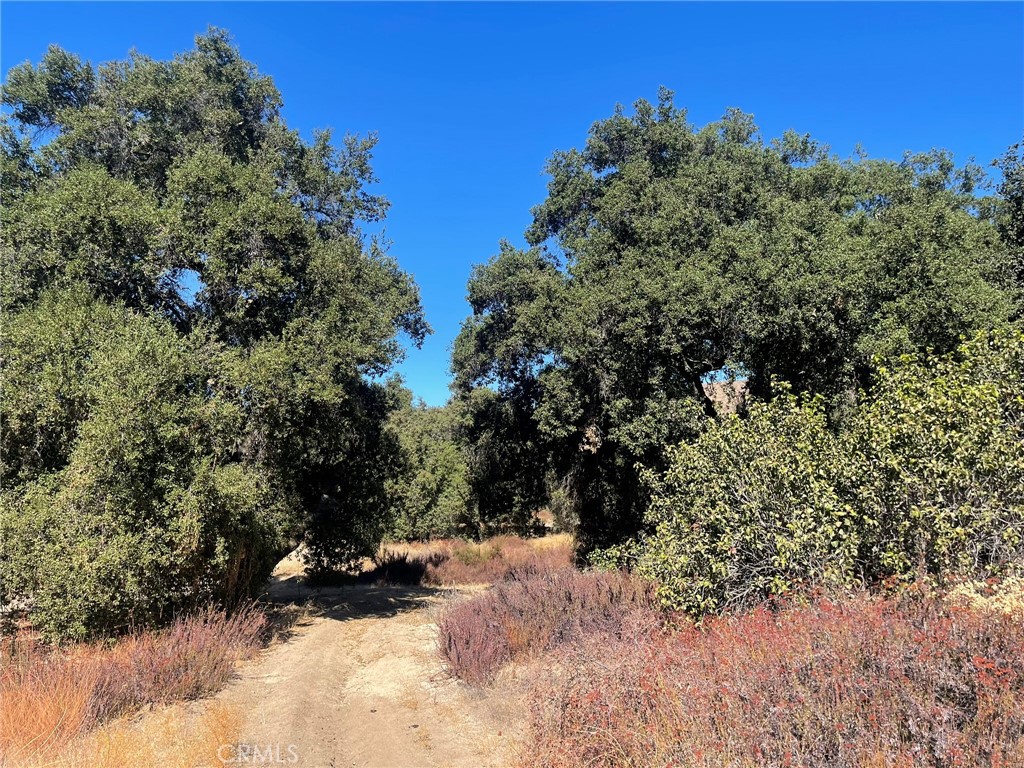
(453,562)
(50,698)
(534,611)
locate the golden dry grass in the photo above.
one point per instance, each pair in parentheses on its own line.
(447,562)
(42,707)
(172,737)
(496,545)
(1004,596)
(53,701)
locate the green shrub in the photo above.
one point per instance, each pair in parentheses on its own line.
(430,494)
(938,463)
(142,513)
(927,478)
(750,509)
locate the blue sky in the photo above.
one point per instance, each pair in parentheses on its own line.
(470,99)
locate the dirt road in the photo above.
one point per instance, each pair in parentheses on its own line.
(359,683)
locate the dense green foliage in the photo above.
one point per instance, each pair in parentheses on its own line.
(665,255)
(748,509)
(196,334)
(466,469)
(192,323)
(430,493)
(1010,207)
(937,462)
(926,479)
(505,466)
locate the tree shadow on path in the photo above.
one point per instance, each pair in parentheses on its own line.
(295,596)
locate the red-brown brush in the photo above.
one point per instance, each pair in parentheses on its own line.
(862,681)
(535,611)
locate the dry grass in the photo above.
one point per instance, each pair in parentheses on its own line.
(171,737)
(43,706)
(862,681)
(451,562)
(50,698)
(1004,596)
(536,611)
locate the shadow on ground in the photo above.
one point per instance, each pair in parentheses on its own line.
(294,596)
(358,682)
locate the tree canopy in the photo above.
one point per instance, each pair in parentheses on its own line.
(667,255)
(430,492)
(197,334)
(194,334)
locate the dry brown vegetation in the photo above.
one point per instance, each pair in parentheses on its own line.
(51,698)
(908,679)
(608,678)
(728,396)
(537,611)
(170,737)
(451,562)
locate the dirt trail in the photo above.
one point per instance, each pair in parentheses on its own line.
(359,683)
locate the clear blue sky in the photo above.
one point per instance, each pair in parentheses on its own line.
(470,99)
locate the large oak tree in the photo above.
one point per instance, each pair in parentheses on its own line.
(192,327)
(666,255)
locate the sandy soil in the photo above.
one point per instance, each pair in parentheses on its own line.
(359,683)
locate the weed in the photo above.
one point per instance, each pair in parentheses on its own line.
(450,562)
(535,610)
(862,681)
(50,696)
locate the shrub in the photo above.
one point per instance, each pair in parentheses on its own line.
(133,519)
(749,510)
(927,478)
(193,657)
(402,567)
(937,454)
(858,682)
(537,611)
